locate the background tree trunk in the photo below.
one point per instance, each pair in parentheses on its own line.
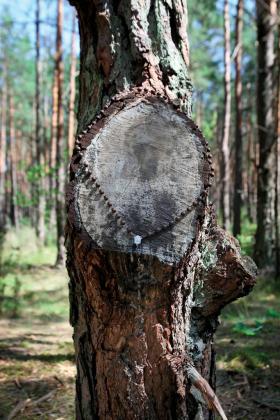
(40,225)
(72,94)
(238,181)
(13,166)
(3,147)
(277,160)
(60,177)
(266,15)
(225,168)
(52,162)
(143,316)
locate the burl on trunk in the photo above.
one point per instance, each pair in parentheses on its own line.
(149,268)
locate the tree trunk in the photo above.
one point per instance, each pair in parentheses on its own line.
(266,15)
(277,161)
(13,167)
(52,162)
(225,167)
(60,178)
(72,94)
(149,268)
(238,182)
(3,146)
(40,225)
(251,161)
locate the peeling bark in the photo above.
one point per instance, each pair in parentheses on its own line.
(143,313)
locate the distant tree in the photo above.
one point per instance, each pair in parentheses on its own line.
(60,148)
(39,140)
(277,158)
(225,161)
(12,163)
(72,93)
(266,16)
(238,167)
(3,146)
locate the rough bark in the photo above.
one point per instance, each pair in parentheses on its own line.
(266,15)
(225,161)
(238,181)
(128,44)
(60,176)
(40,225)
(72,93)
(145,292)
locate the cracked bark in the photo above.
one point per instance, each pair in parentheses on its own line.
(140,321)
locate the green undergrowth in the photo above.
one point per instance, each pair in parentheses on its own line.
(30,286)
(247,237)
(249,335)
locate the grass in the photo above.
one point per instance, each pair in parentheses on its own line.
(36,349)
(28,278)
(248,344)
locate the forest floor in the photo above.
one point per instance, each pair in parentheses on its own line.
(37,371)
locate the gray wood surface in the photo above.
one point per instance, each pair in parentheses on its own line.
(149,162)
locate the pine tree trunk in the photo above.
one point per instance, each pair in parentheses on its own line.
(72,94)
(40,225)
(238,182)
(3,146)
(251,163)
(52,161)
(60,176)
(266,15)
(277,162)
(225,167)
(147,277)
(13,167)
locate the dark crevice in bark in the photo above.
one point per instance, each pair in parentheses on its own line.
(174,29)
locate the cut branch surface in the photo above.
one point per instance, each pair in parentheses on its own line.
(148,176)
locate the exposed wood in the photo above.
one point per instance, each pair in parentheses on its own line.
(238,168)
(206,391)
(142,175)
